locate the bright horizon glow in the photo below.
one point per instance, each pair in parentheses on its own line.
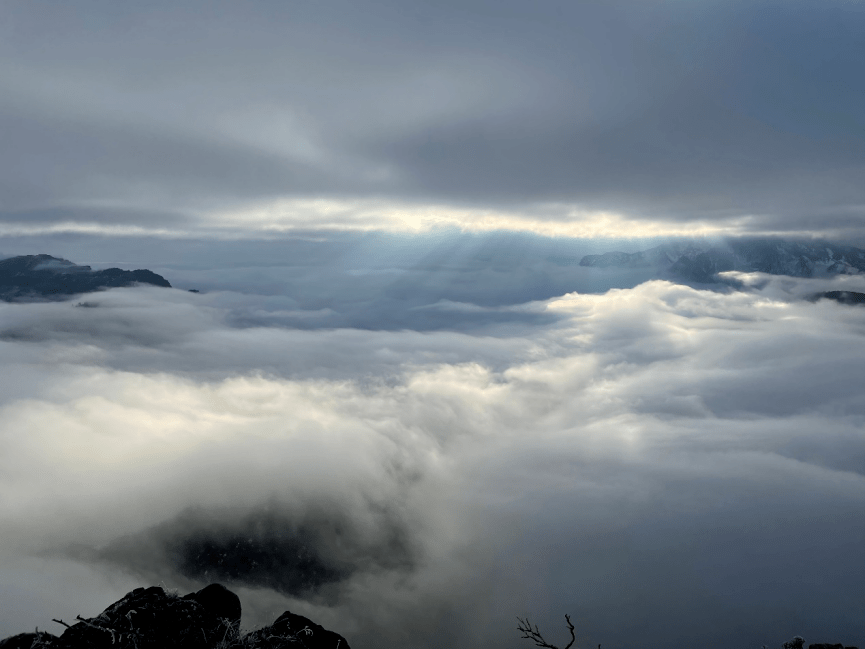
(403,217)
(268,219)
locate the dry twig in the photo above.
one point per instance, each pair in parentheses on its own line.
(535,635)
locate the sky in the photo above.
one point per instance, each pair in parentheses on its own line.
(397,390)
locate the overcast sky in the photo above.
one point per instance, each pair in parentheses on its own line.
(167,116)
(396,366)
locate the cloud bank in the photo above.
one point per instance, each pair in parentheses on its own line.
(667,465)
(552,118)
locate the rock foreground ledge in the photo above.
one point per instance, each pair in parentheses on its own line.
(148,618)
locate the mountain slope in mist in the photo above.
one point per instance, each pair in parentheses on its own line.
(46,277)
(700,261)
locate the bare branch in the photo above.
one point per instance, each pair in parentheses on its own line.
(535,636)
(525,627)
(61,622)
(571,629)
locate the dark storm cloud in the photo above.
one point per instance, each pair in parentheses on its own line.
(714,110)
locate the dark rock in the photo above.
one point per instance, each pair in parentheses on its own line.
(220,602)
(292,630)
(47,277)
(36,640)
(829,646)
(150,618)
(145,618)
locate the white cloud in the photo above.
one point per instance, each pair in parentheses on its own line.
(660,461)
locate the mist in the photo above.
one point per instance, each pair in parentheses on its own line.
(667,465)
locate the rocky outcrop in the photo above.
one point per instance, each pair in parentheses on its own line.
(289,626)
(150,618)
(29,641)
(798,642)
(47,277)
(219,601)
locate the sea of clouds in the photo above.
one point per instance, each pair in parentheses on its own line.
(418,441)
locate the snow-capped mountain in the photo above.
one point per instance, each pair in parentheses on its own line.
(700,261)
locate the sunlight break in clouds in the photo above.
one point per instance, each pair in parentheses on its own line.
(653,456)
(324,215)
(549,220)
(367,215)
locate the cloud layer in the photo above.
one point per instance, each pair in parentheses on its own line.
(668,465)
(743,116)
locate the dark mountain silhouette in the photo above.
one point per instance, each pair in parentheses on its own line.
(701,261)
(46,277)
(843,297)
(150,618)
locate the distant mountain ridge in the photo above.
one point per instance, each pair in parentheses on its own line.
(700,261)
(46,277)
